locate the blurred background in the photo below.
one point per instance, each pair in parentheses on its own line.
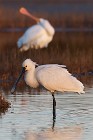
(72,44)
(30,115)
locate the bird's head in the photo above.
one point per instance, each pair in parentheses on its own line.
(27,65)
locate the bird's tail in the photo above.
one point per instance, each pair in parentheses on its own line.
(81,87)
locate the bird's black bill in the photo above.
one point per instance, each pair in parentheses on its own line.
(15,84)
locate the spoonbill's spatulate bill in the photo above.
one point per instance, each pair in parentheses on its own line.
(37,36)
(53,77)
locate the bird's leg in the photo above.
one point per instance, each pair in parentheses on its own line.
(54,108)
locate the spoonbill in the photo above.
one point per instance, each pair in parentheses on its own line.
(37,36)
(53,77)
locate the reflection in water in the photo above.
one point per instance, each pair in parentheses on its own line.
(72,133)
(53,125)
(30,116)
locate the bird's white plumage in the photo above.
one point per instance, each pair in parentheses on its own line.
(37,36)
(53,77)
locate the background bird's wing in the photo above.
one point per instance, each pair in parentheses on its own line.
(33,33)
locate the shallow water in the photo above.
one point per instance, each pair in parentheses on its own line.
(30,117)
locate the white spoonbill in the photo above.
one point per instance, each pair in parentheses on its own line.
(37,36)
(53,77)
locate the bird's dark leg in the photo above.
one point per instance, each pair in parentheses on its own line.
(54,111)
(54,108)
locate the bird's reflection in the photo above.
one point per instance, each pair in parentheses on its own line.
(70,133)
(53,125)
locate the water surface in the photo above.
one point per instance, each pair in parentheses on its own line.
(30,115)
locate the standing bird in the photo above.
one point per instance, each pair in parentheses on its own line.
(37,36)
(53,77)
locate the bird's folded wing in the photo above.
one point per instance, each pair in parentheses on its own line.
(57,78)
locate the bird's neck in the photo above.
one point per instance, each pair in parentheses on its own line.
(47,26)
(30,79)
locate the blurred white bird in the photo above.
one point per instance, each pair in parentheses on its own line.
(37,36)
(53,77)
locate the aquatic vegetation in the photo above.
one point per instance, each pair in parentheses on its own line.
(71,49)
(4,104)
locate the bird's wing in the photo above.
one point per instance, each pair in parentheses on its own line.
(35,37)
(31,35)
(55,77)
(49,66)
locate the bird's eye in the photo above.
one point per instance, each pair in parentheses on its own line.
(26,66)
